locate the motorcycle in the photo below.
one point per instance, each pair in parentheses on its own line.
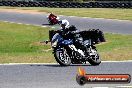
(52,19)
(66,52)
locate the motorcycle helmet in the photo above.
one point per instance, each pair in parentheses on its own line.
(64,23)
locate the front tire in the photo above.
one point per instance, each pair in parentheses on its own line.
(62,57)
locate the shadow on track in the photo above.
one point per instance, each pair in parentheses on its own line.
(47,24)
(57,65)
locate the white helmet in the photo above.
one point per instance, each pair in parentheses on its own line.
(65,22)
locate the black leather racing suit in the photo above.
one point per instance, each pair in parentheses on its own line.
(73,33)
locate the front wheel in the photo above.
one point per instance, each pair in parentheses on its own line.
(62,57)
(94,57)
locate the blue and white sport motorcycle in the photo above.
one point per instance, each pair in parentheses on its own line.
(66,53)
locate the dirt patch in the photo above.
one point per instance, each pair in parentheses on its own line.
(41,43)
(102,43)
(47,50)
(22,11)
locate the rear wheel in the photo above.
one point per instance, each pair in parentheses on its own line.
(94,57)
(62,57)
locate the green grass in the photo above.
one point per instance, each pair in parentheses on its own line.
(20,44)
(117,13)
(118,47)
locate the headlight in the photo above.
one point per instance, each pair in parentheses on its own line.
(54,44)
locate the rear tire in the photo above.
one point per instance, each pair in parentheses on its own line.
(95,58)
(62,57)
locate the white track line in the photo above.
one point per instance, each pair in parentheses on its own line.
(101,87)
(53,27)
(23,23)
(57,63)
(123,86)
(115,87)
(118,61)
(99,18)
(29,64)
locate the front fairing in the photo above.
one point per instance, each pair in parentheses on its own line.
(58,40)
(56,37)
(67,42)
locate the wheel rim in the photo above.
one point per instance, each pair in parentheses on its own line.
(94,55)
(63,56)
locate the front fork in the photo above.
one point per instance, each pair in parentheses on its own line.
(72,47)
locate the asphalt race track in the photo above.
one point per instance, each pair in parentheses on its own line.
(106,25)
(52,75)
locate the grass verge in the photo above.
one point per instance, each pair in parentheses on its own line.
(117,13)
(118,47)
(20,44)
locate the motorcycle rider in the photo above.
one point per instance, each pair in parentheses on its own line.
(73,33)
(53,19)
(51,16)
